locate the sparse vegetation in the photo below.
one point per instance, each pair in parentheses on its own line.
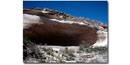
(38,54)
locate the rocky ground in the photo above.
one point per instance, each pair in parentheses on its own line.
(66,54)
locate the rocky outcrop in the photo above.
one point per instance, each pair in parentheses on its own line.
(56,28)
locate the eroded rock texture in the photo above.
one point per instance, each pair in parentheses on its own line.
(55,28)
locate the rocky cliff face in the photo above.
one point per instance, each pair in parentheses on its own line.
(51,36)
(53,27)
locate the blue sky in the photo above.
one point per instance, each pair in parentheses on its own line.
(94,10)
